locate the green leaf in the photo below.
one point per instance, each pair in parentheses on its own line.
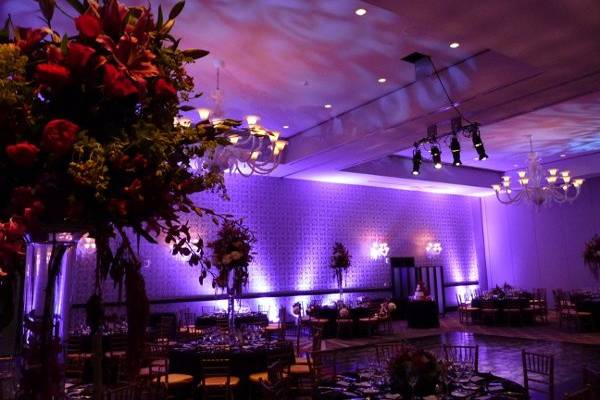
(47,8)
(63,44)
(159,20)
(167,26)
(77,6)
(176,10)
(195,53)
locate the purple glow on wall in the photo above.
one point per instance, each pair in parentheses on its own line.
(296,223)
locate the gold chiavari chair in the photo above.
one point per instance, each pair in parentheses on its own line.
(386,351)
(584,393)
(539,370)
(127,391)
(8,378)
(592,378)
(463,355)
(216,381)
(323,368)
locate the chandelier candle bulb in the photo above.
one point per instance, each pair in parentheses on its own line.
(233,139)
(204,114)
(255,155)
(534,189)
(252,120)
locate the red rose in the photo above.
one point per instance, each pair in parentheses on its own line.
(55,55)
(78,56)
(118,206)
(139,161)
(22,154)
(59,136)
(164,89)
(29,38)
(88,26)
(52,74)
(116,83)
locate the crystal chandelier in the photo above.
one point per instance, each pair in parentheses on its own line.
(253,149)
(538,188)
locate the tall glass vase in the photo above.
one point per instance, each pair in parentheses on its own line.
(46,304)
(231,310)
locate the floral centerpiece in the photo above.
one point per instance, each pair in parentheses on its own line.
(591,255)
(414,372)
(232,254)
(88,142)
(340,262)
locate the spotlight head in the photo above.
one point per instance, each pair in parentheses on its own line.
(436,155)
(455,148)
(475,136)
(416,160)
(477,142)
(481,152)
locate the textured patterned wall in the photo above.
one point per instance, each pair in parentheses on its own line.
(296,223)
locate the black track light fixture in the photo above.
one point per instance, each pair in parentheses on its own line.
(455,148)
(477,142)
(416,160)
(436,156)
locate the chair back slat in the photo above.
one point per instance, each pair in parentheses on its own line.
(539,369)
(464,355)
(126,392)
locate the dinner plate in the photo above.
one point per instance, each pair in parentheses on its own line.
(461,393)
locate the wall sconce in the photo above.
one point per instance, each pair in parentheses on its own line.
(379,249)
(433,249)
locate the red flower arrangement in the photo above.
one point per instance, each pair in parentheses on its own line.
(87,139)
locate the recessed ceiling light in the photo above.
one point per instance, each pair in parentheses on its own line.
(382,80)
(563,155)
(327,106)
(360,12)
(454,45)
(286,126)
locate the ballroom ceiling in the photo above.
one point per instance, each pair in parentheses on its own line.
(522,68)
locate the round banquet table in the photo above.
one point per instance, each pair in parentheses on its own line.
(482,386)
(245,360)
(206,321)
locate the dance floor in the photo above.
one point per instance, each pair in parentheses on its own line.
(500,347)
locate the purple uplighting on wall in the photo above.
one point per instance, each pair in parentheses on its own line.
(296,224)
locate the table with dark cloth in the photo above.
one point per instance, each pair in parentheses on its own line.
(501,303)
(422,314)
(362,386)
(107,340)
(245,360)
(156,318)
(211,320)
(591,305)
(332,313)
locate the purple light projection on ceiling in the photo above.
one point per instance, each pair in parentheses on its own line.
(284,59)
